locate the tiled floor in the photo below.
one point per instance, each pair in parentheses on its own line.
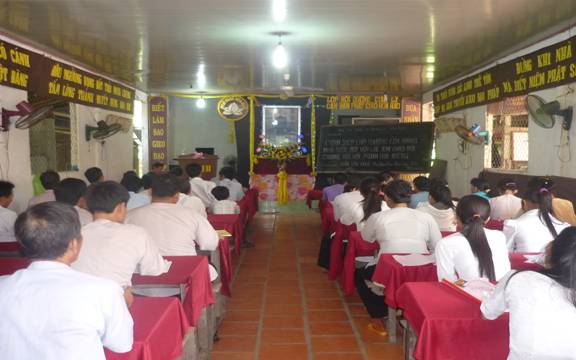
(284,307)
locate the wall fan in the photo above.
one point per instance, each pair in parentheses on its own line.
(542,113)
(472,135)
(102,131)
(28,117)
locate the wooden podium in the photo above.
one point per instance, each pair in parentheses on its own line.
(209,164)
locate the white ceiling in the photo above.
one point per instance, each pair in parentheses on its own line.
(393,44)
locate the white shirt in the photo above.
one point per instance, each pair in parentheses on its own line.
(234,187)
(46,196)
(52,312)
(174,228)
(7,220)
(542,318)
(402,230)
(84,215)
(355,213)
(529,233)
(202,189)
(192,202)
(225,207)
(445,218)
(116,251)
(344,201)
(455,260)
(505,207)
(137,200)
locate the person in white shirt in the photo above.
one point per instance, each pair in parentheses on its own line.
(421,191)
(474,252)
(50,311)
(440,206)
(7,216)
(110,248)
(48,179)
(198,186)
(175,229)
(371,203)
(542,305)
(398,230)
(347,198)
(71,191)
(227,180)
(133,184)
(190,201)
(534,229)
(223,206)
(508,205)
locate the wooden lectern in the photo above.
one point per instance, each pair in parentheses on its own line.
(209,164)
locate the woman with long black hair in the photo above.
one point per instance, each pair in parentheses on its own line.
(371,203)
(532,231)
(542,305)
(440,206)
(475,252)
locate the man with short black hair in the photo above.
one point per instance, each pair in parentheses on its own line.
(227,180)
(421,191)
(50,311)
(174,228)
(198,186)
(48,179)
(329,193)
(71,191)
(190,201)
(112,249)
(222,205)
(157,168)
(94,174)
(7,216)
(133,184)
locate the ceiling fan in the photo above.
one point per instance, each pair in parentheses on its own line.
(28,116)
(542,113)
(102,131)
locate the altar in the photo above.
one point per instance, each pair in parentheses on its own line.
(299,179)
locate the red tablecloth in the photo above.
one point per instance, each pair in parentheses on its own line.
(160,325)
(313,195)
(449,325)
(191,271)
(225,265)
(9,247)
(231,223)
(249,205)
(327,217)
(495,224)
(518,262)
(9,265)
(356,247)
(337,247)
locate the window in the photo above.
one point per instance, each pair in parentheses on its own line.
(51,141)
(281,124)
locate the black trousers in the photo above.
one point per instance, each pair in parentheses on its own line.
(373,303)
(324,253)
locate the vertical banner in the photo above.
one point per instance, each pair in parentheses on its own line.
(158,129)
(411,110)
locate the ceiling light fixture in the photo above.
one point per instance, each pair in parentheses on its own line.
(201,103)
(280,56)
(279,10)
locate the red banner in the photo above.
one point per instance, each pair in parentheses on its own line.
(158,129)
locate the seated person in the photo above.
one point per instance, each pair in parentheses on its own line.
(542,305)
(198,186)
(329,193)
(110,248)
(480,187)
(157,168)
(348,198)
(7,216)
(421,191)
(175,229)
(534,229)
(226,179)
(563,209)
(440,206)
(507,205)
(475,252)
(177,171)
(223,206)
(190,201)
(48,179)
(50,311)
(71,191)
(370,204)
(133,185)
(94,174)
(398,230)
(385,178)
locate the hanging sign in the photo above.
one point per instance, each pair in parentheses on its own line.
(347,102)
(411,110)
(16,65)
(551,66)
(232,109)
(158,129)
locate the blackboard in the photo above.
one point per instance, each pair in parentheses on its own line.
(375,148)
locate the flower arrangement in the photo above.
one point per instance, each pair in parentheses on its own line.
(281,153)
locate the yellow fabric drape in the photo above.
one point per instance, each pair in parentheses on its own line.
(252,129)
(282,192)
(313,135)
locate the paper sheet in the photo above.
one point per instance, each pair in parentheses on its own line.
(414,259)
(479,289)
(167,264)
(223,233)
(534,259)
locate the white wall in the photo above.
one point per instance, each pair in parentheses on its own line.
(543,143)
